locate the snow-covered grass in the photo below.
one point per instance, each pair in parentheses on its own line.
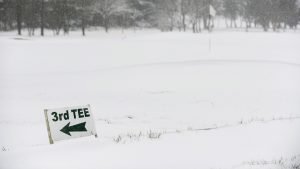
(161,100)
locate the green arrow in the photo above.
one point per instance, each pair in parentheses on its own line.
(75,128)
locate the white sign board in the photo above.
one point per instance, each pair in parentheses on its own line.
(69,122)
(212,11)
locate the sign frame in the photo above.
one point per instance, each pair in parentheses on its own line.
(50,137)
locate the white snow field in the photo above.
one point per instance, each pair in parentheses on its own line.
(160,100)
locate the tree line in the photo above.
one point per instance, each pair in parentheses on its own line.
(61,16)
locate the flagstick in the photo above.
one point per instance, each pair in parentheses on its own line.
(209,42)
(209,34)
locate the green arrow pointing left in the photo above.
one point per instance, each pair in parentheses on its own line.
(75,128)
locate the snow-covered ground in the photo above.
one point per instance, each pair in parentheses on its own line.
(160,100)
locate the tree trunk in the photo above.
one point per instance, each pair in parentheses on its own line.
(106,22)
(83,31)
(19,16)
(205,23)
(106,27)
(83,18)
(42,17)
(183,22)
(83,25)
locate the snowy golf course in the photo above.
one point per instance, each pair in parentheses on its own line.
(160,100)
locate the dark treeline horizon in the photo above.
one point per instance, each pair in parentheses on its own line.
(166,15)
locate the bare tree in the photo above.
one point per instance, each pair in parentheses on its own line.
(231,11)
(19,12)
(106,8)
(184,9)
(167,14)
(196,14)
(6,15)
(42,15)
